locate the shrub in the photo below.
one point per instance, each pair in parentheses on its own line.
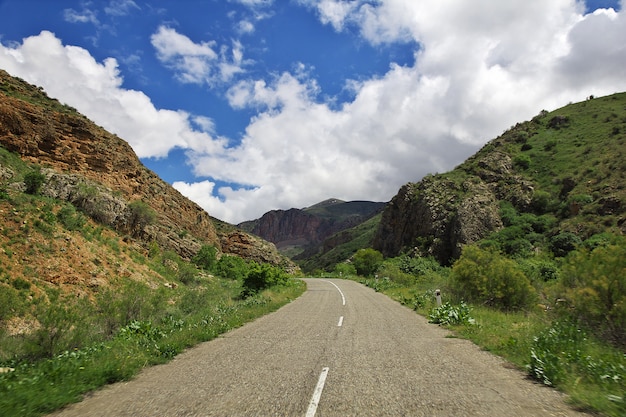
(594,283)
(133,301)
(11,302)
(522,161)
(187,273)
(141,215)
(539,270)
(262,276)
(231,267)
(419,266)
(487,277)
(206,257)
(344,269)
(367,261)
(563,243)
(394,273)
(62,326)
(34,180)
(541,201)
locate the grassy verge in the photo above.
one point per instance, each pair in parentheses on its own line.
(36,388)
(557,353)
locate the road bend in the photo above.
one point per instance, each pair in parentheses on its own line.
(340,349)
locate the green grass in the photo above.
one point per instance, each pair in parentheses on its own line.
(591,372)
(39,387)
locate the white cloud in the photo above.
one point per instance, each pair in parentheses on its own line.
(335,12)
(71,74)
(480,67)
(197,63)
(245,27)
(254,3)
(85,16)
(121,7)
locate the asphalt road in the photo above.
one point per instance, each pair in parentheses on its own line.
(340,349)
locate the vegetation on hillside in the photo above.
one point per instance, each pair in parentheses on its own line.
(82,305)
(571,165)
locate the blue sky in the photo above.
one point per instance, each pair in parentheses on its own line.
(251,105)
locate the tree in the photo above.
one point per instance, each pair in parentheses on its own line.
(367,261)
(206,257)
(564,243)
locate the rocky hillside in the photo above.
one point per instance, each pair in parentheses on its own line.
(299,232)
(99,173)
(567,166)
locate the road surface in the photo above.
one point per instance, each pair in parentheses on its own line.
(341,349)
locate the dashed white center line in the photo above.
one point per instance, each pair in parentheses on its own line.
(340,322)
(317,394)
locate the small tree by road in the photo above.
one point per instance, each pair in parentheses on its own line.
(367,261)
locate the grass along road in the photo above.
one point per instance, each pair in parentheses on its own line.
(376,358)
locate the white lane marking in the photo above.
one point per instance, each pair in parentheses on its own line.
(317,394)
(343,299)
(340,321)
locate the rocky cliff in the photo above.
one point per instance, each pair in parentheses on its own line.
(437,216)
(565,165)
(307,229)
(99,173)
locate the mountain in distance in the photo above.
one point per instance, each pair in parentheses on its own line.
(560,175)
(298,233)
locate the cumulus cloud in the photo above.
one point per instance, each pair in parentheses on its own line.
(197,63)
(479,68)
(76,78)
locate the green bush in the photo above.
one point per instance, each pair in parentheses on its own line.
(539,270)
(594,285)
(62,326)
(11,302)
(206,257)
(344,269)
(418,266)
(485,276)
(564,243)
(263,276)
(187,273)
(231,267)
(522,161)
(134,301)
(367,261)
(141,215)
(394,273)
(34,180)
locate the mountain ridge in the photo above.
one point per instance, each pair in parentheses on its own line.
(100,173)
(299,232)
